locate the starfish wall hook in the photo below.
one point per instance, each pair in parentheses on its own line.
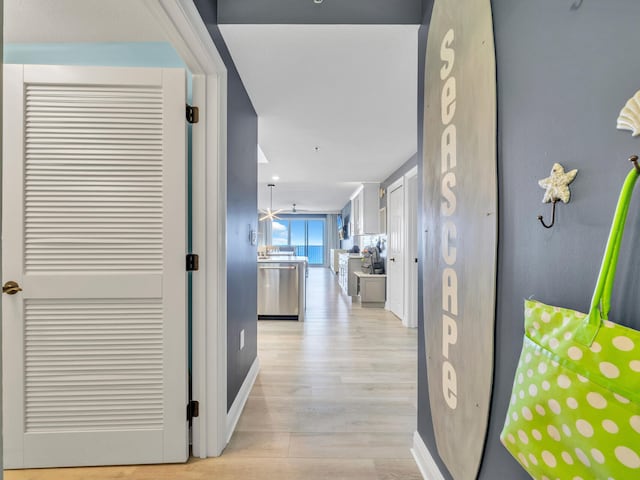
(556,188)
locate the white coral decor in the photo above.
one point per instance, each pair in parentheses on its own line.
(629,118)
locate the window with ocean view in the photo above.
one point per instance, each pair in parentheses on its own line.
(305,235)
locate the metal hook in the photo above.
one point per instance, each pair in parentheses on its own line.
(576,5)
(634,159)
(553,216)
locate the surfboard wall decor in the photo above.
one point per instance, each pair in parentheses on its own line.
(460,212)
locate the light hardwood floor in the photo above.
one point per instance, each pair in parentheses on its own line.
(335,399)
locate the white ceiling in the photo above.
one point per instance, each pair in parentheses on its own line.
(350,90)
(48,21)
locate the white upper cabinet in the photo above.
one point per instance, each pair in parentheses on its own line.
(365,209)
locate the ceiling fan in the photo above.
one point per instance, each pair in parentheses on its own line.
(295,209)
(270,214)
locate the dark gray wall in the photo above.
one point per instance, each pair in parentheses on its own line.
(242,204)
(404,168)
(572,81)
(329,12)
(563,76)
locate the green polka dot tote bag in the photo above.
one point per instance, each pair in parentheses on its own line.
(574,412)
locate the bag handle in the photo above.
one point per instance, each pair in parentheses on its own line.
(601,300)
(605,301)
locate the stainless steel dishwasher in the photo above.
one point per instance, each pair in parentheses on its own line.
(278,292)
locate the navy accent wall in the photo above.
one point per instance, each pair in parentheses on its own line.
(350,12)
(242,204)
(563,75)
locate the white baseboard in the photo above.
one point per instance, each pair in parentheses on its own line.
(241,399)
(387,306)
(425,461)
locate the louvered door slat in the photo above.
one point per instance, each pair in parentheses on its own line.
(73,327)
(78,184)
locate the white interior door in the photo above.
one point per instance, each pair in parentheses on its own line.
(94,187)
(395,257)
(411,257)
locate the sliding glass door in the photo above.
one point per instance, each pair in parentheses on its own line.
(315,241)
(306,236)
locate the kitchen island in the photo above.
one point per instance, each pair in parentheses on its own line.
(372,289)
(282,287)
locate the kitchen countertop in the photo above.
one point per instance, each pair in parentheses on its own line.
(283,259)
(362,274)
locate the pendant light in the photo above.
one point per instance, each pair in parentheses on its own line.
(270,214)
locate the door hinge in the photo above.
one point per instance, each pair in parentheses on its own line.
(193,262)
(193,114)
(193,409)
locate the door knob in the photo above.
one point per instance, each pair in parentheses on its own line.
(392,259)
(11,288)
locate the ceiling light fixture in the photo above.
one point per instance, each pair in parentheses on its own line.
(270,214)
(275,177)
(318,2)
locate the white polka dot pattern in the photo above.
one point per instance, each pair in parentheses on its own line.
(597,455)
(623,343)
(610,426)
(628,457)
(635,423)
(596,400)
(609,370)
(574,353)
(575,409)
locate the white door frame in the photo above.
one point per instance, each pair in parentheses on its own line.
(399,183)
(188,34)
(409,284)
(1,87)
(407,259)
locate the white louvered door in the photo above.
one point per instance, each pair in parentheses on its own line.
(94,232)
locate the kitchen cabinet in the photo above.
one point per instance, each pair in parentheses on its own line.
(382,221)
(334,259)
(365,209)
(348,265)
(372,289)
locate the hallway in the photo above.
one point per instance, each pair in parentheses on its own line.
(335,399)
